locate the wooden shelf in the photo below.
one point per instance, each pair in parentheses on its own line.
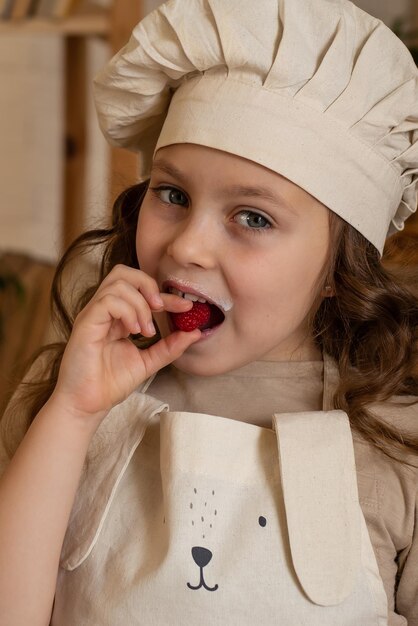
(93,24)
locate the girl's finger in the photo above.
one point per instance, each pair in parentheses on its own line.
(130,294)
(168,350)
(171,302)
(95,320)
(175,304)
(141,281)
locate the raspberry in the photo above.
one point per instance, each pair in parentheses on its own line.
(197,317)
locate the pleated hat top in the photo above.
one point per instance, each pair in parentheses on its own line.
(316,90)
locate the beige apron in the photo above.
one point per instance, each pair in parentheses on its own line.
(186,518)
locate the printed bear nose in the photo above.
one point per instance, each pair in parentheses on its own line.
(201,556)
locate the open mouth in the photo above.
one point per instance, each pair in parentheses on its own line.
(204,315)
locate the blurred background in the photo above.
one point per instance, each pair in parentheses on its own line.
(57,174)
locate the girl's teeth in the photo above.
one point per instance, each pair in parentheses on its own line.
(186,296)
(192,297)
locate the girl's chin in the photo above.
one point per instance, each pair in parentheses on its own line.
(195,366)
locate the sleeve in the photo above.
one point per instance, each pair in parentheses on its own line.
(407,588)
(390,494)
(384,534)
(388,498)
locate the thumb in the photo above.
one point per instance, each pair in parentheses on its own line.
(168,350)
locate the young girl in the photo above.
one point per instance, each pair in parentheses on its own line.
(253,459)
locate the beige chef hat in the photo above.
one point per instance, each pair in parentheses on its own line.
(317,90)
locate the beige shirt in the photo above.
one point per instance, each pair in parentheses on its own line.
(388,490)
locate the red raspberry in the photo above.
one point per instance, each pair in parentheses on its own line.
(197,317)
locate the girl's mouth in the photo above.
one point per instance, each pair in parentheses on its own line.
(204,315)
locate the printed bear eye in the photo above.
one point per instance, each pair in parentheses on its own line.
(262,521)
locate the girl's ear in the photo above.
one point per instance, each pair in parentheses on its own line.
(327,292)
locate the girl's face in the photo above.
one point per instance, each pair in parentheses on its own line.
(257,253)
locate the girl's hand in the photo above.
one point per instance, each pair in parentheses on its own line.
(100,365)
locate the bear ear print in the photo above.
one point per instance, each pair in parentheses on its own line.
(262,521)
(323,505)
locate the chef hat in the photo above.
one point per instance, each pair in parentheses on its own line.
(318,91)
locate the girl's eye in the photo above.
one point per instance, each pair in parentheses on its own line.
(171,196)
(253,221)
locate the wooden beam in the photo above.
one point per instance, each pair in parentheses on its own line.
(414,14)
(75,137)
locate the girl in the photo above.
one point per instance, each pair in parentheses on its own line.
(254,457)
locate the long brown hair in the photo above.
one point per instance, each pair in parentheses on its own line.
(369,326)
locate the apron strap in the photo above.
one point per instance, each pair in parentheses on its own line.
(144,386)
(318,475)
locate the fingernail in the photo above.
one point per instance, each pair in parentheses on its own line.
(157,300)
(151,328)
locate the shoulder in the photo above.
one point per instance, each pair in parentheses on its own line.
(388,488)
(401,414)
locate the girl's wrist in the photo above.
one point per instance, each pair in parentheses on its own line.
(60,406)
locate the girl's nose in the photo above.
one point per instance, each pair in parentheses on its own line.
(193,243)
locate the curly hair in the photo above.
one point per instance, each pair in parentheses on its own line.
(369,326)
(370,329)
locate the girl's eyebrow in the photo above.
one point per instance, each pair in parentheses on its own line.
(248,191)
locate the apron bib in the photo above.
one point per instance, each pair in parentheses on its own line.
(186,518)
